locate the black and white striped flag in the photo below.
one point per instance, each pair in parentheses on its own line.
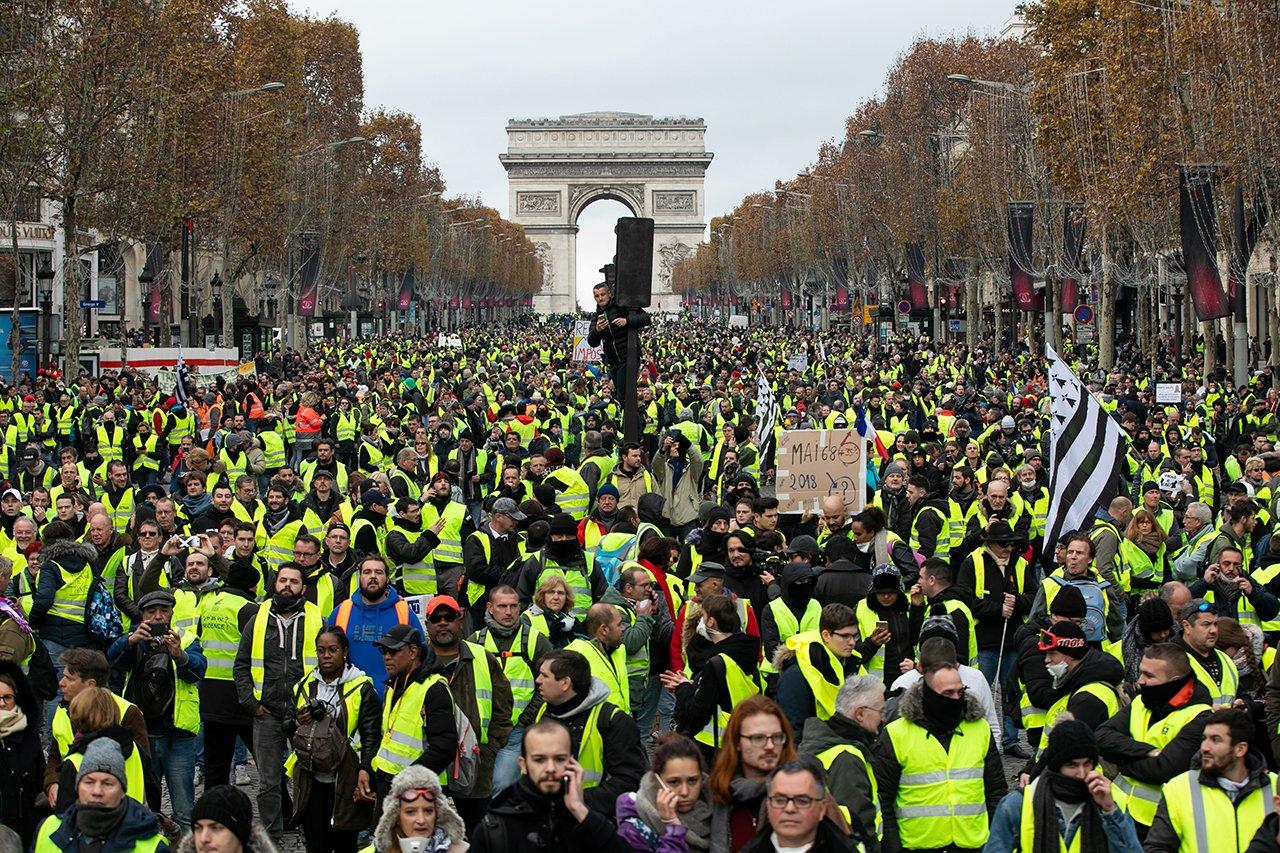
(180,386)
(766,412)
(1086,453)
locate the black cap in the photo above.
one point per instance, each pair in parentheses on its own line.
(706,571)
(806,545)
(398,637)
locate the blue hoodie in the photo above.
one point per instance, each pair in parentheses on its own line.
(368,624)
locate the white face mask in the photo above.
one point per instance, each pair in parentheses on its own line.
(1057,670)
(865,547)
(703,630)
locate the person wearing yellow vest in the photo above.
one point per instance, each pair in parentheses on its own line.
(62,588)
(321,588)
(573,493)
(418,714)
(277,646)
(1068,806)
(844,744)
(793,612)
(333,804)
(144,453)
(940,593)
(519,646)
(1086,680)
(410,544)
(325,460)
(1219,805)
(481,694)
(1211,667)
(938,769)
(1155,738)
(563,556)
(493,553)
(119,823)
(602,646)
(730,674)
(170,703)
(446,558)
(930,525)
(604,740)
(814,664)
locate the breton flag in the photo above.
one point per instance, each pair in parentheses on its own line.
(766,412)
(1086,453)
(180,387)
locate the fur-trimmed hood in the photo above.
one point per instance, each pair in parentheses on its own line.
(447,819)
(911,706)
(259,841)
(68,553)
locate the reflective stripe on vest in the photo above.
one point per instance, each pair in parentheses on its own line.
(1141,798)
(484,689)
(273,453)
(828,757)
(311,624)
(417,578)
(517,665)
(1224,692)
(1103,692)
(739,686)
(402,727)
(1027,827)
(942,547)
(220,633)
(941,798)
(1192,812)
(450,548)
(70,598)
(591,747)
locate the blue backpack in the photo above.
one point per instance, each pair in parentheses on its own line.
(610,560)
(1095,605)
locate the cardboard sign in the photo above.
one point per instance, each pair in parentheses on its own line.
(798,362)
(738,321)
(449,341)
(1169,392)
(582,351)
(814,464)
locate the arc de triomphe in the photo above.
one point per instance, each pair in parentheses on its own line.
(557,167)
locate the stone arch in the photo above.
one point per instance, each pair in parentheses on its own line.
(556,168)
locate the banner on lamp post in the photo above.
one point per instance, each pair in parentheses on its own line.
(1198,224)
(406,290)
(308,273)
(155,267)
(1073,225)
(1020,218)
(916,290)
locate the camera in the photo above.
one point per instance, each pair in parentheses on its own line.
(767,561)
(158,629)
(317,709)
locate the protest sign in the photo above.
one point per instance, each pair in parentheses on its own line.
(816,463)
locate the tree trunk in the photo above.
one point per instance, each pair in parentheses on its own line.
(1209,330)
(70,293)
(1106,314)
(972,311)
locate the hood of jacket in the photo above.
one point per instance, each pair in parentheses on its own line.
(821,735)
(259,842)
(650,507)
(598,693)
(69,554)
(911,706)
(412,777)
(119,734)
(388,603)
(743,648)
(1096,665)
(793,572)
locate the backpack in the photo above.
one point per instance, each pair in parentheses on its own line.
(466,759)
(610,560)
(101,618)
(1095,606)
(322,744)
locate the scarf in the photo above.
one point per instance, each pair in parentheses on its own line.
(696,822)
(501,630)
(10,609)
(12,722)
(273,520)
(1051,788)
(197,505)
(99,821)
(742,792)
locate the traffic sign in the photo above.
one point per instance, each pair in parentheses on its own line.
(99,304)
(1084,315)
(904,307)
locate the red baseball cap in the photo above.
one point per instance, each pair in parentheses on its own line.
(439,601)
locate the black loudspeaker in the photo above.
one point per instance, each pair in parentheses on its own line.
(634,260)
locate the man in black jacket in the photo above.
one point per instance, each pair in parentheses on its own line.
(609,331)
(572,696)
(538,812)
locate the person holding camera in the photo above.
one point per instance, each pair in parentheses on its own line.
(546,810)
(677,474)
(745,578)
(335,734)
(162,668)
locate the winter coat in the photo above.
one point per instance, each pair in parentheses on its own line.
(794,694)
(21,760)
(624,758)
(368,624)
(641,827)
(904,631)
(612,340)
(448,822)
(463,687)
(988,608)
(697,703)
(847,780)
(138,824)
(842,582)
(521,812)
(888,765)
(682,497)
(1132,758)
(831,838)
(71,557)
(259,841)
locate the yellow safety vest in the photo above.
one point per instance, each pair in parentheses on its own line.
(402,727)
(450,548)
(145,453)
(186,695)
(517,664)
(44,842)
(612,670)
(1103,692)
(788,626)
(72,595)
(220,632)
(591,747)
(312,622)
(1195,807)
(121,512)
(824,692)
(1141,798)
(1027,828)
(941,798)
(740,686)
(942,549)
(828,757)
(273,452)
(111,445)
(1224,692)
(579,584)
(575,496)
(350,692)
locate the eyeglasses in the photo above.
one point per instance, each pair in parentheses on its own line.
(779,739)
(7,699)
(298,553)
(847,636)
(439,618)
(418,793)
(142,533)
(803,801)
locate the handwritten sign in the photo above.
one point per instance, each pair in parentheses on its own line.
(814,464)
(583,352)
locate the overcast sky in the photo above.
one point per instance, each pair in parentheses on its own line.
(772,80)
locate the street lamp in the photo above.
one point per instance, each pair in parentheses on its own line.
(44,284)
(145,280)
(989,84)
(216,284)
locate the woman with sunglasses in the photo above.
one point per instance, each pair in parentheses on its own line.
(415,808)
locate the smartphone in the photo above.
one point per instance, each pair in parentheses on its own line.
(882,626)
(564,785)
(664,785)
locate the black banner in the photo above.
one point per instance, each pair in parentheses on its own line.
(916,290)
(1021,215)
(1073,225)
(1197,221)
(308,273)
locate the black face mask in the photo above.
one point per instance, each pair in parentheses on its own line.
(1154,695)
(1069,789)
(800,593)
(565,552)
(285,603)
(712,540)
(942,713)
(99,821)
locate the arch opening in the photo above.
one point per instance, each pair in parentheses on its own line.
(596,242)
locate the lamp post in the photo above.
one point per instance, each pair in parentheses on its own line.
(217,286)
(145,280)
(44,283)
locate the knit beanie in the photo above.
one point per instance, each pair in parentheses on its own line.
(564,525)
(1154,615)
(886,577)
(229,806)
(1068,604)
(894,468)
(242,576)
(102,756)
(1069,739)
(607,489)
(940,625)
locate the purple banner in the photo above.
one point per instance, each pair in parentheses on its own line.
(1021,215)
(406,291)
(1198,223)
(1073,225)
(155,268)
(842,298)
(308,273)
(916,290)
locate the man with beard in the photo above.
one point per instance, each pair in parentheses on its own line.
(409,547)
(960,501)
(481,693)
(323,500)
(940,732)
(1068,804)
(474,471)
(276,638)
(450,521)
(1154,739)
(595,526)
(281,525)
(743,578)
(1231,788)
(369,615)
